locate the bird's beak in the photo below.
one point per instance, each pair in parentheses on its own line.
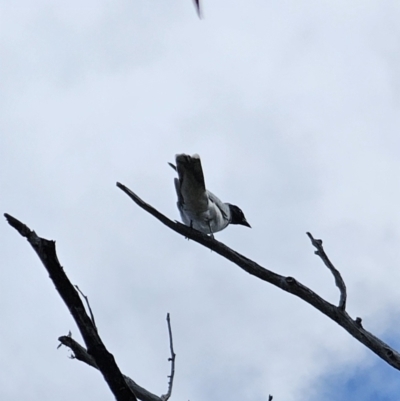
(245,223)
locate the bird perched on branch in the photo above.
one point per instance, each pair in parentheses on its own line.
(198,207)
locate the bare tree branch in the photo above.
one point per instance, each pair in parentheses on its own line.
(82,355)
(165,397)
(336,274)
(105,361)
(88,305)
(79,352)
(288,284)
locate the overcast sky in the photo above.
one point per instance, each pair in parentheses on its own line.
(294,107)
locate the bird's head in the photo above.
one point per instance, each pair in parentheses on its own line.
(237,216)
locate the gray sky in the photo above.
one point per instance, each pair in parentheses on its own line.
(294,108)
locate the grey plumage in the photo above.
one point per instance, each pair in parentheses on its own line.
(198,207)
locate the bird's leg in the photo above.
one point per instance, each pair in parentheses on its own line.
(191,226)
(209,226)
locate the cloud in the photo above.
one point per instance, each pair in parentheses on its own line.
(294,111)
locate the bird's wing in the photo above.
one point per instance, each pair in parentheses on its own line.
(223,207)
(177,188)
(189,167)
(178,192)
(191,182)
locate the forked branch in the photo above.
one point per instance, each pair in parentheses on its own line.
(336,274)
(288,284)
(82,355)
(96,354)
(104,361)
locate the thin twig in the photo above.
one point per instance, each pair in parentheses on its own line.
(165,397)
(88,305)
(317,243)
(288,284)
(270,397)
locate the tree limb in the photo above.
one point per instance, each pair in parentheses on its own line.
(82,355)
(104,361)
(288,284)
(336,274)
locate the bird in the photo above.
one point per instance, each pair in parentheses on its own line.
(198,207)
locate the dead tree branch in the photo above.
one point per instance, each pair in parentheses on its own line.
(82,355)
(96,355)
(317,243)
(288,284)
(165,397)
(104,361)
(88,305)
